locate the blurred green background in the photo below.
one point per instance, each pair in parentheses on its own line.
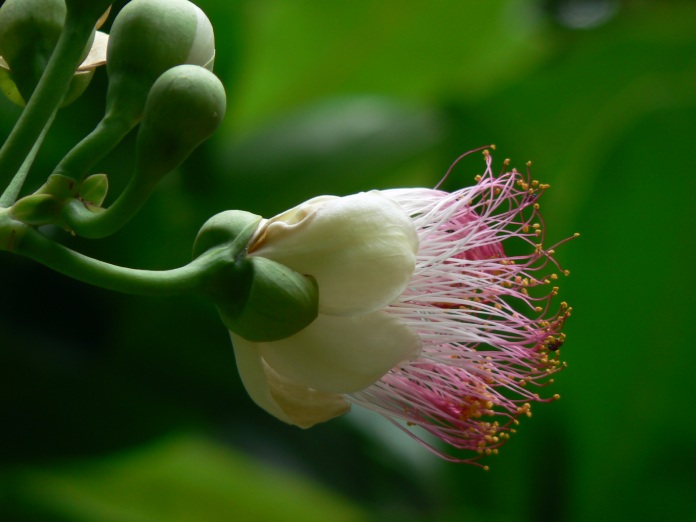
(120,408)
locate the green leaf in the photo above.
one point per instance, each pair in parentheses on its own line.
(182,479)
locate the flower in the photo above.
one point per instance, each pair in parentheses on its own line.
(453,343)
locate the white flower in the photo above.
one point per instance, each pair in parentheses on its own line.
(424,317)
(361,249)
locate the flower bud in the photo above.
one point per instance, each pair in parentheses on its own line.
(147,38)
(29,31)
(185,106)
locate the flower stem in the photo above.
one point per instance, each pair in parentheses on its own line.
(47,96)
(27,241)
(96,225)
(12,191)
(97,144)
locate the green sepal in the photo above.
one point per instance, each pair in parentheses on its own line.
(230,229)
(8,86)
(94,189)
(62,187)
(278,302)
(259,299)
(36,209)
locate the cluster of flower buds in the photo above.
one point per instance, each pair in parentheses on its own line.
(159,57)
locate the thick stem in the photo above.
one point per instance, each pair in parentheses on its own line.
(47,96)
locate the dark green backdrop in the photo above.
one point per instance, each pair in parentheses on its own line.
(122,408)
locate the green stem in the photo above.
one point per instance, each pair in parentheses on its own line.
(193,277)
(12,191)
(47,96)
(97,144)
(95,225)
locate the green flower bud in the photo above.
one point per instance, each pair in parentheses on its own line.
(29,31)
(147,38)
(184,107)
(278,301)
(94,189)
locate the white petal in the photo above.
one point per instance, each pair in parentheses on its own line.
(97,54)
(304,406)
(253,375)
(285,400)
(343,354)
(361,249)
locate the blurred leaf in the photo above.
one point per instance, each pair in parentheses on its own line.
(305,50)
(183,479)
(569,115)
(629,385)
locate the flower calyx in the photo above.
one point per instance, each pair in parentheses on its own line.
(257,298)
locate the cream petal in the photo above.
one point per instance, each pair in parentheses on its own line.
(343,354)
(253,375)
(97,54)
(279,396)
(304,406)
(361,249)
